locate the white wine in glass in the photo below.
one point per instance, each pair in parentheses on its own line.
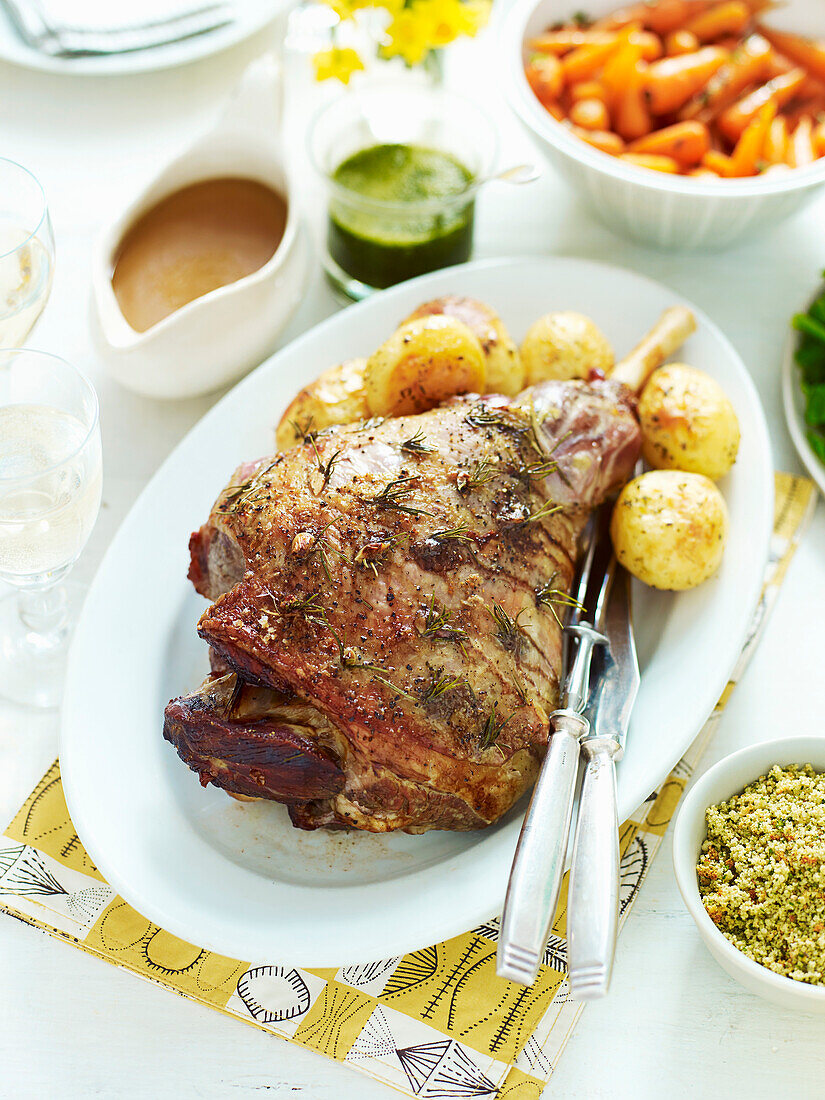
(26,253)
(50,485)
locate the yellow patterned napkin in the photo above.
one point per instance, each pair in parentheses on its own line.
(434,1023)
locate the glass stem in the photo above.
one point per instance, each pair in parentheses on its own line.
(44,611)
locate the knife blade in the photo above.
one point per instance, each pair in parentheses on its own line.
(593,900)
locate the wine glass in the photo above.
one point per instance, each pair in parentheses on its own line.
(50,482)
(26,253)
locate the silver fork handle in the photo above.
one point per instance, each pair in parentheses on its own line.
(538,867)
(593,895)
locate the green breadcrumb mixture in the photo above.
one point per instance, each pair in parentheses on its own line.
(762,871)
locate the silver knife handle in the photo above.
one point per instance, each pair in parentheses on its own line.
(593,896)
(538,867)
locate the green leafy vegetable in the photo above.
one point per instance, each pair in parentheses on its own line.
(817,442)
(815,405)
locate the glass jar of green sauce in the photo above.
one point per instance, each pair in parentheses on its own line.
(400,164)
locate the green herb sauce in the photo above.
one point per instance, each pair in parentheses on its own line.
(383,247)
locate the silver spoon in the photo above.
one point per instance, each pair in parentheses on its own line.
(519,173)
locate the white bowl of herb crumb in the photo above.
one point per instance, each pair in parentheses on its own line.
(749,855)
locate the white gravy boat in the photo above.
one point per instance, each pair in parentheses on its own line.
(216,338)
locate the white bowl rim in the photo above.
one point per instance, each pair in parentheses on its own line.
(542,123)
(787,750)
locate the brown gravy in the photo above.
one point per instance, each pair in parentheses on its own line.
(204,236)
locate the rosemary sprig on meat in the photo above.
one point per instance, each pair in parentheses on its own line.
(438,624)
(547,509)
(395,495)
(313,611)
(320,546)
(507,630)
(537,471)
(547,595)
(439,685)
(417,444)
(480,474)
(309,607)
(491,730)
(246,492)
(520,689)
(306,435)
(302,431)
(327,467)
(459,533)
(484,416)
(375,553)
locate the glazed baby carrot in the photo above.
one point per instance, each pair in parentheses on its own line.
(746,65)
(718,162)
(605,140)
(679,42)
(669,83)
(631,117)
(686,83)
(619,72)
(651,44)
(747,154)
(649,160)
(590,113)
(545,77)
(587,89)
(801,147)
(802,51)
(584,61)
(776,142)
(684,142)
(779,91)
(730,17)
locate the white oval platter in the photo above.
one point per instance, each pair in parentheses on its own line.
(237,878)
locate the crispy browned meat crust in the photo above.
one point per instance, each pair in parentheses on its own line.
(397,577)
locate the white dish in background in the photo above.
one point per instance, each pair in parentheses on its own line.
(729,777)
(237,878)
(215,338)
(793,401)
(251,16)
(667,211)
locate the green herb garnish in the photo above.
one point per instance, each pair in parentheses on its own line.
(417,445)
(395,494)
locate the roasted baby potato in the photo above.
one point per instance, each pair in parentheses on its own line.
(505,372)
(423,363)
(669,528)
(564,345)
(688,423)
(336,397)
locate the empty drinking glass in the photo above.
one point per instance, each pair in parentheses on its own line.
(26,253)
(50,481)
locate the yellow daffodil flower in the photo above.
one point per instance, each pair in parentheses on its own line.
(445,20)
(336,64)
(345,9)
(409,35)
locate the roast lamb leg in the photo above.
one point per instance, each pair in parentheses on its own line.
(401,583)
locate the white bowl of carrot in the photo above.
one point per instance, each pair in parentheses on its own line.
(684,123)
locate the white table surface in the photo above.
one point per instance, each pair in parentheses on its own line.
(72,1026)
